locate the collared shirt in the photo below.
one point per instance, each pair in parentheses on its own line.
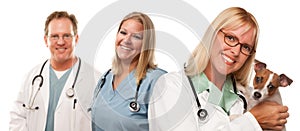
(225,98)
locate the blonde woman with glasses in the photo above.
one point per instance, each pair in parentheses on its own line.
(204,95)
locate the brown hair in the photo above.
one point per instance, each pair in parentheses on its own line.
(58,15)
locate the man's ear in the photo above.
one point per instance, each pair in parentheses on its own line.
(76,39)
(46,40)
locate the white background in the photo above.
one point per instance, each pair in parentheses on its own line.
(22,45)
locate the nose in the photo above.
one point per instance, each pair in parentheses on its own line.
(236,49)
(127,39)
(60,41)
(257,95)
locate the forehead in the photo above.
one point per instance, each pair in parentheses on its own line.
(132,25)
(61,25)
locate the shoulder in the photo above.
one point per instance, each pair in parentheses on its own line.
(38,68)
(86,65)
(156,71)
(89,69)
(173,79)
(174,76)
(153,75)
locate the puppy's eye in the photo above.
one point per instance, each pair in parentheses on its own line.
(258,79)
(270,86)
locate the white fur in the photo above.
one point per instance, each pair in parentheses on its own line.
(249,92)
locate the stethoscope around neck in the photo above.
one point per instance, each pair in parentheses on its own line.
(202,113)
(134,106)
(70,92)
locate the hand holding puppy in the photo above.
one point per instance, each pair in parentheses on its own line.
(270,115)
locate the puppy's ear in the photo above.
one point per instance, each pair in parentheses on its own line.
(259,66)
(284,80)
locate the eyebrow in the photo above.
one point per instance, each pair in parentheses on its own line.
(233,35)
(140,32)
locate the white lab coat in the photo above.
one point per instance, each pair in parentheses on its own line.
(173,107)
(66,118)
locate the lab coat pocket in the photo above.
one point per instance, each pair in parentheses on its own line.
(82,119)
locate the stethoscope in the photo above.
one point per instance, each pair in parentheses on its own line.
(134,106)
(70,92)
(202,113)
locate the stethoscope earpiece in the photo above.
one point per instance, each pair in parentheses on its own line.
(134,106)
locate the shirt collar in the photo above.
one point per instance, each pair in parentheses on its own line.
(225,98)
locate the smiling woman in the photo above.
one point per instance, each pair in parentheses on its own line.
(129,41)
(124,91)
(204,94)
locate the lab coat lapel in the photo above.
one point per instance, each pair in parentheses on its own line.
(45,88)
(85,85)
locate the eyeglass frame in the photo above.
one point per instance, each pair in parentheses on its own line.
(238,43)
(66,37)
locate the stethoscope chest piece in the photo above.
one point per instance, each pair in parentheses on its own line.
(134,106)
(70,92)
(202,114)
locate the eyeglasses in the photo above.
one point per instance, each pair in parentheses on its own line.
(66,37)
(232,41)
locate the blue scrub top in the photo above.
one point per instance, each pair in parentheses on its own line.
(110,110)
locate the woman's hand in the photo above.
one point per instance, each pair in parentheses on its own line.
(270,115)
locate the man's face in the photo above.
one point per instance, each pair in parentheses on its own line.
(61,40)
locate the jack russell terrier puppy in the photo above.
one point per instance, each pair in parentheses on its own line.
(263,86)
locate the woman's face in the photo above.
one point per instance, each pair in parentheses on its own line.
(226,59)
(129,40)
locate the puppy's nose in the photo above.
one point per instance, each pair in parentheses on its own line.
(257,95)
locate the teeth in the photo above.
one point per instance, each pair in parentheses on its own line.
(125,48)
(61,49)
(227,59)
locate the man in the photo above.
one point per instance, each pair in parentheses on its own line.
(57,93)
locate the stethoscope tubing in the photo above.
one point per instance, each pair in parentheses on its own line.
(202,113)
(33,97)
(133,106)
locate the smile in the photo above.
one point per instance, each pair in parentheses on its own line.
(61,49)
(126,48)
(227,59)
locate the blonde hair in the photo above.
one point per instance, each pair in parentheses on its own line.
(229,19)
(146,57)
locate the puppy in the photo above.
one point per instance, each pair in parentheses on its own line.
(265,85)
